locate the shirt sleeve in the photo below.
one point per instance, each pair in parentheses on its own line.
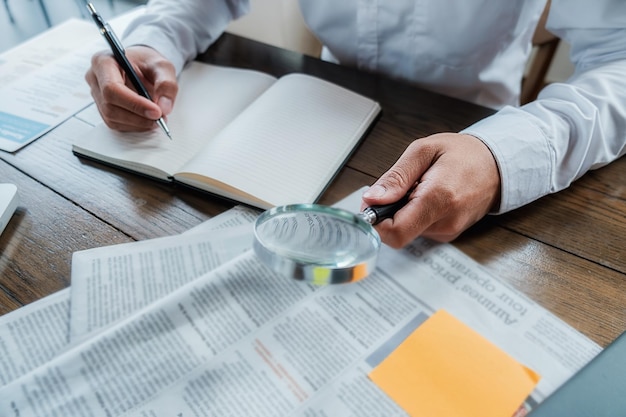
(574,126)
(181,29)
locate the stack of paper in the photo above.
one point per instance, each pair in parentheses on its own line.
(171,327)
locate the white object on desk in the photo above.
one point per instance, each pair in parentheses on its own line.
(41,80)
(8,203)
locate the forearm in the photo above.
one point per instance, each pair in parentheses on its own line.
(571,128)
(181,29)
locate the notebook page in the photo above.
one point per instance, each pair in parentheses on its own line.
(287,146)
(209,98)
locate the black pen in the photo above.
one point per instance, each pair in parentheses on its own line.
(376,214)
(120,56)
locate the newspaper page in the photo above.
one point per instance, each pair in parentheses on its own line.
(242,340)
(32,335)
(314,360)
(111,282)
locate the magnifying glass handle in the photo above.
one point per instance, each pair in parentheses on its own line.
(376,214)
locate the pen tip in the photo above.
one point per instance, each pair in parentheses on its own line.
(161,123)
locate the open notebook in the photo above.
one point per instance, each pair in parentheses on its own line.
(245,135)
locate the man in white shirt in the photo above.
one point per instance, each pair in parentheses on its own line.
(475,50)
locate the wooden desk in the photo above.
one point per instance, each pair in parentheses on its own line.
(564,251)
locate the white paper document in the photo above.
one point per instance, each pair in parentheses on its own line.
(241,340)
(42,82)
(32,335)
(133,275)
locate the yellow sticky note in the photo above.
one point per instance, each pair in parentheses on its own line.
(446,369)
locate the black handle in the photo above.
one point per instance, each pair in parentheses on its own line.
(376,214)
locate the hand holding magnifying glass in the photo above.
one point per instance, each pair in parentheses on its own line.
(320,244)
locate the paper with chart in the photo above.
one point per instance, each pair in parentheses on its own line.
(43,80)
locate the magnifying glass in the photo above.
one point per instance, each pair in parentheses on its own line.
(321,244)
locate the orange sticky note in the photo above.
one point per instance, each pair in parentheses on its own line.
(446,369)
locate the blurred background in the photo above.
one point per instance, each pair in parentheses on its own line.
(22,19)
(276,22)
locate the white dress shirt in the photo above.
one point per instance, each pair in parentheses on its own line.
(475,50)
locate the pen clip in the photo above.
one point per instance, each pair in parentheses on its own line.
(105,29)
(109,32)
(95,15)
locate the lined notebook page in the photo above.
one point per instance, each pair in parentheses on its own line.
(286,147)
(209,98)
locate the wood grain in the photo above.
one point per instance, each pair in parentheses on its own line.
(579,220)
(37,245)
(586,295)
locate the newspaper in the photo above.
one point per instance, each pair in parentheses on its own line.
(32,335)
(36,333)
(241,340)
(112,282)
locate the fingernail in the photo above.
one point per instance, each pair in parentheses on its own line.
(165,103)
(375,191)
(152,114)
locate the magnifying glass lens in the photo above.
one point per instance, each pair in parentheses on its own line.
(316,243)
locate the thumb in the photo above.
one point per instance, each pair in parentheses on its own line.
(160,74)
(384,191)
(165,88)
(401,177)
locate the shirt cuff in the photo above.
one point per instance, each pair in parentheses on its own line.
(523,153)
(156,39)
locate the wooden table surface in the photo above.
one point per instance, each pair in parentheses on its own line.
(565,251)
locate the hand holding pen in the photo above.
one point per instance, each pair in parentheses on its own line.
(122,60)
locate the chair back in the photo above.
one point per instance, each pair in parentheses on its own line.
(545,45)
(279,23)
